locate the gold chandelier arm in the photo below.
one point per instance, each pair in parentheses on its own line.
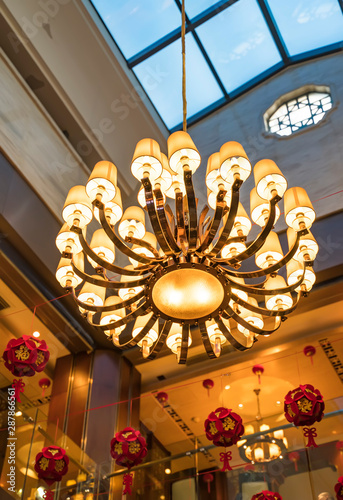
(160,341)
(257,290)
(134,340)
(102,263)
(113,307)
(206,340)
(218,214)
(117,241)
(180,222)
(155,223)
(238,340)
(145,244)
(184,345)
(259,241)
(271,269)
(140,311)
(109,284)
(202,222)
(168,235)
(230,219)
(192,211)
(230,313)
(262,310)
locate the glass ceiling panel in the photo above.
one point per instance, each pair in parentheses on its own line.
(195,7)
(136,24)
(308,24)
(160,76)
(239,43)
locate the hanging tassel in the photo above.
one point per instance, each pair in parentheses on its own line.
(225,457)
(18,386)
(48,495)
(310,433)
(127,482)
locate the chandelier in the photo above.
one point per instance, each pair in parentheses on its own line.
(184,275)
(263,448)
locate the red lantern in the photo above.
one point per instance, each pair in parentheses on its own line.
(44,383)
(162,397)
(224,428)
(295,457)
(208,384)
(339,489)
(339,446)
(51,465)
(208,478)
(303,407)
(310,351)
(128,448)
(24,357)
(258,370)
(267,495)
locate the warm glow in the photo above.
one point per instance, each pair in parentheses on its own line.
(36,334)
(167,471)
(259,454)
(188,294)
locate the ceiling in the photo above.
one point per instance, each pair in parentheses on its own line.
(230,44)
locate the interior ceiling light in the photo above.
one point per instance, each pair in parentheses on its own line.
(262,448)
(185,274)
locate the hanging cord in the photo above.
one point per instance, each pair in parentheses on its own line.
(183,39)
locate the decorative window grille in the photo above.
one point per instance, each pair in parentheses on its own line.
(298,113)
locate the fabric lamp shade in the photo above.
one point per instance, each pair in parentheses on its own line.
(251,317)
(77,208)
(102,183)
(140,250)
(260,209)
(152,334)
(234,162)
(68,241)
(112,316)
(65,274)
(308,247)
(178,184)
(214,180)
(240,293)
(270,252)
(132,223)
(242,224)
(175,337)
(147,160)
(295,272)
(181,152)
(269,179)
(299,213)
(93,294)
(232,249)
(164,181)
(280,301)
(113,209)
(102,246)
(126,293)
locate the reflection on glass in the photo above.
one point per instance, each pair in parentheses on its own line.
(308,24)
(136,24)
(160,76)
(239,43)
(196,7)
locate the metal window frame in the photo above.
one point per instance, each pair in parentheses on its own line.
(192,24)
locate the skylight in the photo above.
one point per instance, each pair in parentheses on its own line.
(231,45)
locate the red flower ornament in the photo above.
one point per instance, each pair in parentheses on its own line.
(224,428)
(303,407)
(339,489)
(23,358)
(51,465)
(267,495)
(128,448)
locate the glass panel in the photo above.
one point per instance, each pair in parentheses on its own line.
(136,24)
(308,24)
(196,7)
(239,43)
(160,76)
